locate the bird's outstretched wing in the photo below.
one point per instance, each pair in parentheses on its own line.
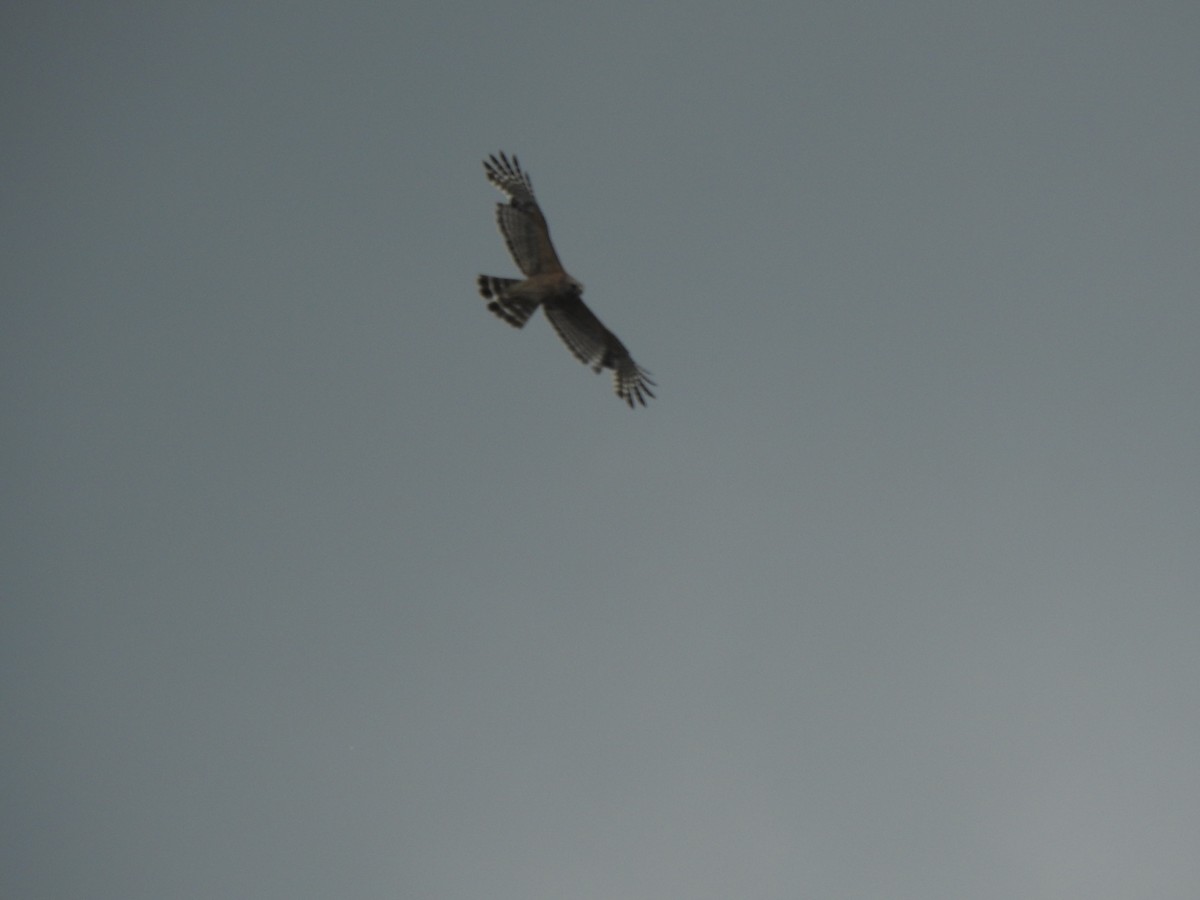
(520,219)
(597,347)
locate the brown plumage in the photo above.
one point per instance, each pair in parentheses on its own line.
(548,285)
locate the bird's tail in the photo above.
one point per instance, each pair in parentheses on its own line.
(505,303)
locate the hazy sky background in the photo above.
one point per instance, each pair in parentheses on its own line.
(320,582)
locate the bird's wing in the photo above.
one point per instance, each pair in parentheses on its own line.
(597,347)
(521,221)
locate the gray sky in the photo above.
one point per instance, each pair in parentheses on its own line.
(318,581)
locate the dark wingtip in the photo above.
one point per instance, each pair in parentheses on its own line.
(502,162)
(637,393)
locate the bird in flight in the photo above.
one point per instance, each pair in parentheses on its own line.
(548,285)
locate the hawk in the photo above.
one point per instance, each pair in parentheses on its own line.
(548,285)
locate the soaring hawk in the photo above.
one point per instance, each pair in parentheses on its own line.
(548,285)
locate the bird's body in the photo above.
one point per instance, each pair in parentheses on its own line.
(547,285)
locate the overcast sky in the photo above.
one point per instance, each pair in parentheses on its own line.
(321,582)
